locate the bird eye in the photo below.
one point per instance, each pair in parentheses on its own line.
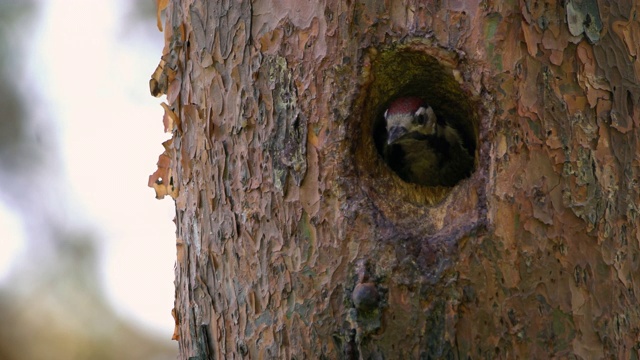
(420,116)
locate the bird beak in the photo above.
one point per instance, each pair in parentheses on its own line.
(395,133)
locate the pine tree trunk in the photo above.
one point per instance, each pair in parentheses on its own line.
(296,240)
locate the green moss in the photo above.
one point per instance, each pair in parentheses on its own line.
(490,30)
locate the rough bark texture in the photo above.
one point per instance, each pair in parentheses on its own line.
(294,238)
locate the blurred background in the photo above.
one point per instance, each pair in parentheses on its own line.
(86,251)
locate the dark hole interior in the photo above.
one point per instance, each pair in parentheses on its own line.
(404,73)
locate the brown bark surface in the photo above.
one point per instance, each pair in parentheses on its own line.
(295,240)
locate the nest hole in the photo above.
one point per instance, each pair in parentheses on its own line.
(411,73)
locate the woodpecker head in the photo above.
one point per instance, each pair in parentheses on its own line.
(409,115)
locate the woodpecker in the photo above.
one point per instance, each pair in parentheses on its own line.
(422,148)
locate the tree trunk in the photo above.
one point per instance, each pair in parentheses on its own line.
(296,240)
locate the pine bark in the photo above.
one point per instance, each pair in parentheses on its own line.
(296,240)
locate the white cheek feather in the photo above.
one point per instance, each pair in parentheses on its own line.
(429,126)
(421,111)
